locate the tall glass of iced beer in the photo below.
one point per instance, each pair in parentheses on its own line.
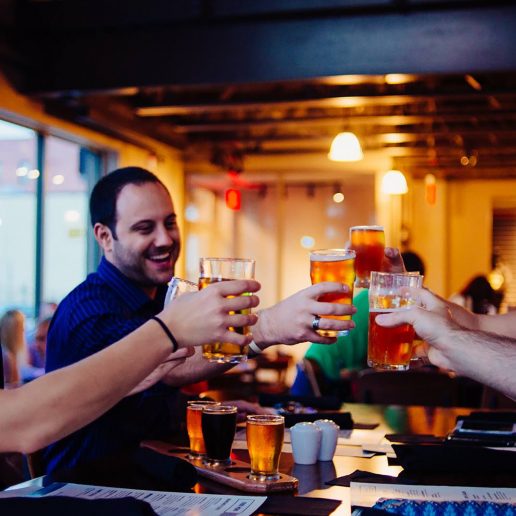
(391,348)
(264,441)
(218,430)
(333,265)
(368,242)
(213,270)
(193,426)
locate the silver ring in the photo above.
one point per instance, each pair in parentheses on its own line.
(315,323)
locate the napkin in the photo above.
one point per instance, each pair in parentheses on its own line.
(299,505)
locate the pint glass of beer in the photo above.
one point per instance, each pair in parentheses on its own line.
(213,270)
(391,348)
(368,242)
(333,265)
(193,426)
(218,429)
(264,442)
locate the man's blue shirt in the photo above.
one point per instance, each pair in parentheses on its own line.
(100,311)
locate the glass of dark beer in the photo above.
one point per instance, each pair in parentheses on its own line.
(368,242)
(213,270)
(218,430)
(193,426)
(391,348)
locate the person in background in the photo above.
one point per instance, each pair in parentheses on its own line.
(38,346)
(477,296)
(14,346)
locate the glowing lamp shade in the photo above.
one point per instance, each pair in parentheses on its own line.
(394,183)
(345,147)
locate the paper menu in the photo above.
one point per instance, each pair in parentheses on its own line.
(164,503)
(366,495)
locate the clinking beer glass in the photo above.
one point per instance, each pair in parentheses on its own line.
(213,270)
(333,265)
(391,348)
(368,242)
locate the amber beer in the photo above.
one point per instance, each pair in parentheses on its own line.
(193,426)
(214,270)
(264,441)
(333,265)
(368,242)
(391,348)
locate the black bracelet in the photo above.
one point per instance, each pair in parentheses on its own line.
(167,331)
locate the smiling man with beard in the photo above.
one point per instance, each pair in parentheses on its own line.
(134,223)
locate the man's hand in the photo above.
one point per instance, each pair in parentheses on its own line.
(392,261)
(246,407)
(205,317)
(433,323)
(290,320)
(172,361)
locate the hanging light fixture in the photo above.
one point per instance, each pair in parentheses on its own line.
(345,147)
(394,183)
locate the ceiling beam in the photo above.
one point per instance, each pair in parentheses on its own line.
(420,38)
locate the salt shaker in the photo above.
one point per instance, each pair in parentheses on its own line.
(329,437)
(306,441)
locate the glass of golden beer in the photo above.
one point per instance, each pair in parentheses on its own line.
(391,348)
(264,442)
(213,270)
(194,428)
(334,265)
(368,242)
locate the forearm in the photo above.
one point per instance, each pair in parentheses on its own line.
(485,357)
(60,402)
(193,370)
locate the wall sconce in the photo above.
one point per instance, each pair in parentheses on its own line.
(394,183)
(345,147)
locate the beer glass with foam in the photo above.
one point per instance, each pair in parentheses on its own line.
(213,270)
(333,265)
(391,348)
(368,242)
(264,441)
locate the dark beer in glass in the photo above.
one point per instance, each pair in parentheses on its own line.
(218,430)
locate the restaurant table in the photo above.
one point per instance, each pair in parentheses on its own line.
(386,419)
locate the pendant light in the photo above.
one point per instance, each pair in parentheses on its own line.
(345,147)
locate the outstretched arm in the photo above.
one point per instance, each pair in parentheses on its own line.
(483,356)
(60,402)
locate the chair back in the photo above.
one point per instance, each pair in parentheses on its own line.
(430,388)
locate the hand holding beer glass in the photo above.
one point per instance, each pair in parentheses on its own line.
(333,265)
(391,348)
(264,441)
(368,242)
(213,270)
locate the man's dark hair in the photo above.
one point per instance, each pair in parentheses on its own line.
(105,193)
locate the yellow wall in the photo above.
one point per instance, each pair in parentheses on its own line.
(168,166)
(454,236)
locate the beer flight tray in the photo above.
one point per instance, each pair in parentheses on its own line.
(233,475)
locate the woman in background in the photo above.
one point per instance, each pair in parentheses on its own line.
(14,346)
